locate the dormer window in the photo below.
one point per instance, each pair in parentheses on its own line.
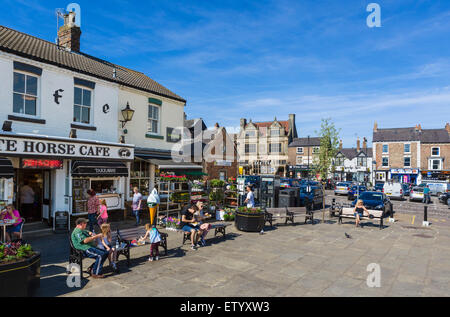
(275,132)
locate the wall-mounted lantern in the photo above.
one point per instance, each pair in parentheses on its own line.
(127,115)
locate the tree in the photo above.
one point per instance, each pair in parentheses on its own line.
(329,147)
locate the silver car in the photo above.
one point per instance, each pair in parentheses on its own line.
(342,188)
(416,194)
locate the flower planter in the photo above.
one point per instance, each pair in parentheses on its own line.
(249,222)
(20,279)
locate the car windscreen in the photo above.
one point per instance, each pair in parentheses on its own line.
(418,189)
(342,184)
(371,196)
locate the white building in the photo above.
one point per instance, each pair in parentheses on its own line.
(354,164)
(62,123)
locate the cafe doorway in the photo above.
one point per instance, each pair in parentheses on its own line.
(33,194)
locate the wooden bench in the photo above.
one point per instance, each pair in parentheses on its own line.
(307,212)
(124,237)
(218,228)
(375,215)
(289,214)
(271,214)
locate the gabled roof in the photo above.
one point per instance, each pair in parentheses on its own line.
(27,46)
(411,134)
(351,153)
(267,124)
(314,141)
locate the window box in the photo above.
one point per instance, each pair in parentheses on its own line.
(153,136)
(26,119)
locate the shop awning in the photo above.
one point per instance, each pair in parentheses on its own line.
(168,164)
(6,168)
(99,169)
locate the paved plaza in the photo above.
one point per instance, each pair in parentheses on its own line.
(299,260)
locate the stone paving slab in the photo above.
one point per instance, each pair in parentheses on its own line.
(299,260)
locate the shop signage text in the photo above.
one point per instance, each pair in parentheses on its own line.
(44,164)
(15,146)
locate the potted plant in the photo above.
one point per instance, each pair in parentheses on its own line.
(20,270)
(250,219)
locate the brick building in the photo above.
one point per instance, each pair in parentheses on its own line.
(303,153)
(411,155)
(263,146)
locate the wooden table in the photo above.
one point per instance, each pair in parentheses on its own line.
(4,224)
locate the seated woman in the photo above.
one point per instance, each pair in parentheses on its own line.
(13,230)
(360,211)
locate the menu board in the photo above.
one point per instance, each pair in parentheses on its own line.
(80,195)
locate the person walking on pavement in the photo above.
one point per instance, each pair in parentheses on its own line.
(426,195)
(250,201)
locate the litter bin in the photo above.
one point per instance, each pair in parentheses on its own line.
(289,197)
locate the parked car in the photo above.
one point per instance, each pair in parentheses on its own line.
(376,201)
(314,196)
(406,189)
(342,188)
(443,198)
(416,194)
(394,190)
(353,192)
(378,187)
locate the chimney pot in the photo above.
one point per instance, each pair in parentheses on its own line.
(447,127)
(358,145)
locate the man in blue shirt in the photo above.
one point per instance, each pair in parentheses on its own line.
(426,195)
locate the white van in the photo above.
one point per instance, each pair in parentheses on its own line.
(393,190)
(436,189)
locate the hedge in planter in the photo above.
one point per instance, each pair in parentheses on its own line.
(20,269)
(250,219)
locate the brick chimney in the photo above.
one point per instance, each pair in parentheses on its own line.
(358,144)
(216,126)
(243,123)
(419,128)
(365,145)
(341,145)
(69,34)
(375,127)
(292,127)
(447,127)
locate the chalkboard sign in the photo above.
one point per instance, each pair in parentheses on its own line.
(61,222)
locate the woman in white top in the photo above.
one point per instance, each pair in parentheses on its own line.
(250,201)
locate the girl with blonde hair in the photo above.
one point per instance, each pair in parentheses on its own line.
(360,211)
(106,244)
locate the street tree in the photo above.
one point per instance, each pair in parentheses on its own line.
(329,147)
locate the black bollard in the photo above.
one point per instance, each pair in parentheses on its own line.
(425,213)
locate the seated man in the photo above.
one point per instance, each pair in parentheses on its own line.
(189,224)
(85,241)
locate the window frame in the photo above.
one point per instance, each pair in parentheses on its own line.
(404,161)
(91,110)
(382,149)
(439,151)
(247,148)
(382,161)
(302,152)
(404,148)
(150,120)
(271,150)
(38,94)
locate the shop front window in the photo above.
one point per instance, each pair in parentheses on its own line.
(140,177)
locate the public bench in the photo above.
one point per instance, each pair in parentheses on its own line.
(124,237)
(289,214)
(375,215)
(218,228)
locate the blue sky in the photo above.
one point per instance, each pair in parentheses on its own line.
(261,59)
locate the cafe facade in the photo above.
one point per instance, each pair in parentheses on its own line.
(70,122)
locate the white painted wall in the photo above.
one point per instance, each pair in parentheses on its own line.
(59,117)
(171,115)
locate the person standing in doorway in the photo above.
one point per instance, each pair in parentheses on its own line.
(93,208)
(27,201)
(137,205)
(250,201)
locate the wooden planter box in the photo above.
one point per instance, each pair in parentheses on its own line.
(20,279)
(249,222)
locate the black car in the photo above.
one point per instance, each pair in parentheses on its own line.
(443,198)
(376,201)
(313,198)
